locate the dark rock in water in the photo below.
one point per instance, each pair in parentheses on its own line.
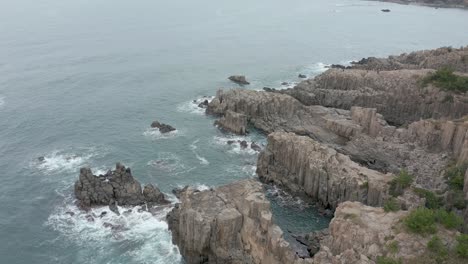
(106,225)
(244,144)
(41,159)
(153,195)
(117,187)
(268,89)
(203,104)
(302,76)
(70,213)
(103,214)
(385,10)
(113,207)
(239,79)
(337,66)
(230,142)
(255,147)
(129,211)
(178,191)
(163,128)
(284,83)
(89,218)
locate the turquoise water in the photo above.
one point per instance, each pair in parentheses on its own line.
(82,80)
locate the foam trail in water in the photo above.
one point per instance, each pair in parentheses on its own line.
(155,134)
(234,142)
(285,199)
(167,161)
(192,106)
(144,235)
(193,146)
(62,161)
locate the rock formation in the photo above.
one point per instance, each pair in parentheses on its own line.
(229,224)
(359,234)
(306,166)
(433,3)
(163,128)
(239,79)
(116,186)
(233,122)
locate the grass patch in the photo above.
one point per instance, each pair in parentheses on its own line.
(393,247)
(402,181)
(391,205)
(455,178)
(432,200)
(447,80)
(436,246)
(462,246)
(387,260)
(424,220)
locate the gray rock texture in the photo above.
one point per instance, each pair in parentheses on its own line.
(163,128)
(233,122)
(239,79)
(231,224)
(116,186)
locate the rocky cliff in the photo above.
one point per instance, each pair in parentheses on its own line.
(306,166)
(115,187)
(231,224)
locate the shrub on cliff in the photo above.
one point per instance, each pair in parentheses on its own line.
(402,181)
(462,246)
(455,179)
(387,260)
(436,246)
(432,200)
(446,79)
(424,220)
(448,219)
(391,205)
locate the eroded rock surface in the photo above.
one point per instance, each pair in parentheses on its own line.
(306,166)
(118,186)
(231,224)
(233,122)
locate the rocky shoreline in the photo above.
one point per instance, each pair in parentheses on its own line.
(374,143)
(437,4)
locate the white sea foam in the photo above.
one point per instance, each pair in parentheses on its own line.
(285,199)
(144,235)
(2,101)
(60,161)
(192,106)
(167,161)
(155,134)
(233,143)
(203,160)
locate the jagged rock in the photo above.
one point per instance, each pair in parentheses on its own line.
(306,166)
(116,186)
(230,224)
(103,214)
(203,104)
(70,213)
(303,76)
(153,195)
(359,234)
(233,122)
(239,79)
(243,144)
(113,207)
(255,146)
(397,94)
(163,128)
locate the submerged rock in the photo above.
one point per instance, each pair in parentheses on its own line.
(255,146)
(385,10)
(41,159)
(163,128)
(203,104)
(239,79)
(303,76)
(118,186)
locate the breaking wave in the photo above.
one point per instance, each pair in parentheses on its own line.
(192,106)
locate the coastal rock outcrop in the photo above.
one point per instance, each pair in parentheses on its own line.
(306,166)
(231,224)
(239,79)
(233,122)
(116,186)
(359,234)
(163,128)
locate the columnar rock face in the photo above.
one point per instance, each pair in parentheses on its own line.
(456,59)
(116,186)
(397,95)
(231,224)
(306,166)
(359,234)
(233,122)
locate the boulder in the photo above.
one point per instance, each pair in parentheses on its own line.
(116,186)
(203,104)
(302,76)
(239,79)
(163,128)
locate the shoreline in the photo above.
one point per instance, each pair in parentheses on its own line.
(422,3)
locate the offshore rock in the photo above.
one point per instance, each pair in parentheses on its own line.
(306,166)
(163,128)
(360,233)
(239,79)
(116,186)
(231,224)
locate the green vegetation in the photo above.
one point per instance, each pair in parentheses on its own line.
(447,80)
(436,246)
(462,246)
(432,200)
(393,247)
(387,260)
(424,220)
(391,205)
(400,183)
(455,178)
